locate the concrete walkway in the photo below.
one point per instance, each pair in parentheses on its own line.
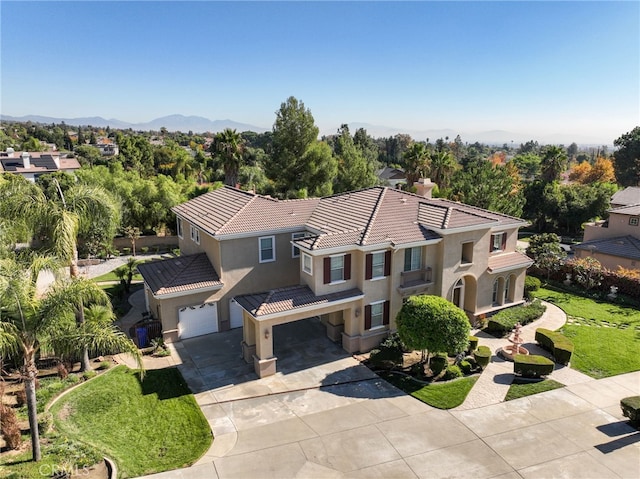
(494,383)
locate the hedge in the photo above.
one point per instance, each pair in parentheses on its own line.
(505,320)
(631,408)
(482,355)
(557,343)
(532,366)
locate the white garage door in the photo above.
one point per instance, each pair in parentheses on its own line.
(197,320)
(235,313)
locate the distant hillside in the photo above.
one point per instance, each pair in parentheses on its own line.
(197,124)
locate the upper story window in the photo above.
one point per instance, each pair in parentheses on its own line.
(179,227)
(633,221)
(413,258)
(498,242)
(267,248)
(378,265)
(195,235)
(307,263)
(295,251)
(467,253)
(337,268)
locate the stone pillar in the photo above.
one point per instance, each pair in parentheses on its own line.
(334,325)
(264,362)
(248,337)
(351,333)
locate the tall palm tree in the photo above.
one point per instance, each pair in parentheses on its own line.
(416,161)
(443,164)
(553,163)
(228,147)
(29,323)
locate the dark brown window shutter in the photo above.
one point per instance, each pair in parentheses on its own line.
(490,245)
(387,263)
(385,314)
(368,270)
(504,241)
(347,267)
(327,270)
(367,316)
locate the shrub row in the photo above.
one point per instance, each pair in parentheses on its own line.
(557,343)
(532,366)
(505,320)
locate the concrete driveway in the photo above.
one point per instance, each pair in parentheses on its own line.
(323,415)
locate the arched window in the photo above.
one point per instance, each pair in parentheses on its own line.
(494,296)
(458,294)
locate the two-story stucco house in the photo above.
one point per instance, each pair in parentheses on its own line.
(255,262)
(615,241)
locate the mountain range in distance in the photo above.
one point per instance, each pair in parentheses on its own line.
(198,124)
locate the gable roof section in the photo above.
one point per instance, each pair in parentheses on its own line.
(284,300)
(227,211)
(508,261)
(180,275)
(623,246)
(629,196)
(630,210)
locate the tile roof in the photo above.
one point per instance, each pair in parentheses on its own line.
(508,261)
(181,274)
(365,217)
(631,210)
(230,211)
(623,246)
(629,196)
(289,299)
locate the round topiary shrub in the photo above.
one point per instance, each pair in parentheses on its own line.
(473,343)
(531,284)
(438,363)
(465,367)
(453,372)
(482,355)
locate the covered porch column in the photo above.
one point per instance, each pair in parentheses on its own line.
(248,343)
(351,333)
(264,362)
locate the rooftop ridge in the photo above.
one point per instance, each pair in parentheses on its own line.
(265,302)
(447,217)
(372,218)
(478,210)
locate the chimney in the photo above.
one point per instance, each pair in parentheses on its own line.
(424,187)
(26,160)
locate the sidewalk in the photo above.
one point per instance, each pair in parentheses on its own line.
(494,383)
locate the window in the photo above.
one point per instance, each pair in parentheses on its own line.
(467,253)
(633,221)
(195,235)
(494,297)
(307,263)
(295,251)
(413,258)
(179,227)
(498,242)
(267,249)
(337,268)
(457,296)
(508,288)
(376,315)
(378,265)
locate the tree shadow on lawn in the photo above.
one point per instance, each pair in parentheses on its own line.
(166,383)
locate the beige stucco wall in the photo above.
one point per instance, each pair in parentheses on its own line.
(618,226)
(608,261)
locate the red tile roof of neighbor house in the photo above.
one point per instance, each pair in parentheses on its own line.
(365,217)
(623,246)
(289,299)
(182,274)
(502,261)
(629,196)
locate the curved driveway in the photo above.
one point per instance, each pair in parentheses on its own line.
(323,415)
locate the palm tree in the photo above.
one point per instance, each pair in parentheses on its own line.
(416,160)
(29,323)
(553,163)
(228,147)
(443,164)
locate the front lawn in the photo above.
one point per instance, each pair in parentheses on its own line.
(146,427)
(446,395)
(528,388)
(606,336)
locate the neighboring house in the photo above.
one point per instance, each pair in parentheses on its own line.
(392,176)
(352,259)
(627,197)
(616,241)
(107,149)
(33,164)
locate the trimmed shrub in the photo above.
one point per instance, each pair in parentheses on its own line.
(557,343)
(631,408)
(482,355)
(9,427)
(103,365)
(505,320)
(89,374)
(465,367)
(438,363)
(45,422)
(473,343)
(531,283)
(144,249)
(453,372)
(532,366)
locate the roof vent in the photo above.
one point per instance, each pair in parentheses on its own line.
(403,200)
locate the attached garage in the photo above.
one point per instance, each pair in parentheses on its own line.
(197,320)
(235,314)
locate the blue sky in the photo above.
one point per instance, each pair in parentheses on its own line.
(538,68)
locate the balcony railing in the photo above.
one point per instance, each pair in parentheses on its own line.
(414,281)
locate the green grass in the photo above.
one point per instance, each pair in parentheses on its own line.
(111,276)
(527,388)
(439,395)
(604,335)
(146,427)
